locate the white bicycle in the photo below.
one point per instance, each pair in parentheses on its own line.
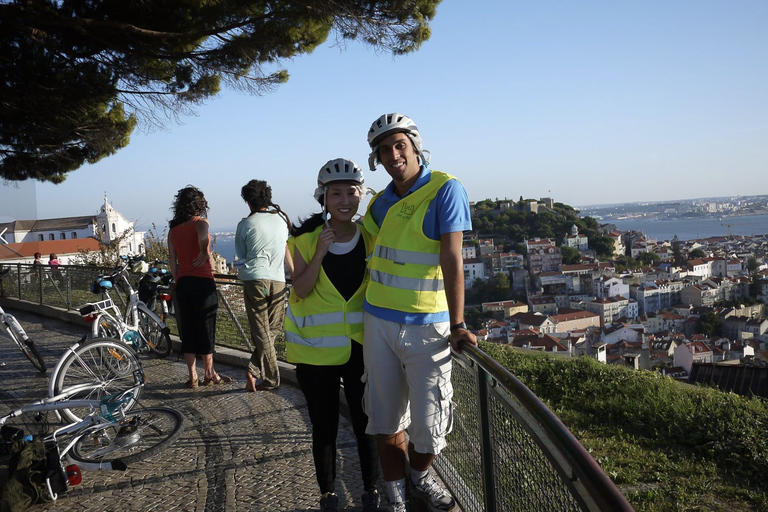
(19,336)
(138,326)
(114,432)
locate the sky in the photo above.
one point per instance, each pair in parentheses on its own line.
(589,102)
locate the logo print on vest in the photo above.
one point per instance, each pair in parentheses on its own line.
(406,210)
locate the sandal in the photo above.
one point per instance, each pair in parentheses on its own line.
(192,384)
(223,379)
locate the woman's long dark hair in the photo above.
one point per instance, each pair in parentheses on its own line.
(189,202)
(308,225)
(258,195)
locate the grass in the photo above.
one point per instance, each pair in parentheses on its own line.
(668,446)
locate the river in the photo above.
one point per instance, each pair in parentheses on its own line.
(690,229)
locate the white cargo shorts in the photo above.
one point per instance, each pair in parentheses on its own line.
(408,381)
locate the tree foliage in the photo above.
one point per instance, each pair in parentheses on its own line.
(604,246)
(677,251)
(648,258)
(570,255)
(710,324)
(77,76)
(517,225)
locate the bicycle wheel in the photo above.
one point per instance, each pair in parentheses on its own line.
(99,368)
(155,335)
(105,327)
(27,347)
(143,433)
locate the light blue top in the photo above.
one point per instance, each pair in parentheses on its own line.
(448,213)
(260,242)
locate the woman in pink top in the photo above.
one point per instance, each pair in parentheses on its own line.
(190,262)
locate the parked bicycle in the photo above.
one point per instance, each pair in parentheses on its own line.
(93,369)
(138,326)
(19,336)
(155,289)
(114,433)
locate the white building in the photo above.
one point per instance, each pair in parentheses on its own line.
(609,286)
(473,269)
(110,224)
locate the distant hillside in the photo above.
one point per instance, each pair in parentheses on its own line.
(513,222)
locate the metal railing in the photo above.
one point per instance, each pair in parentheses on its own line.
(507,451)
(68,287)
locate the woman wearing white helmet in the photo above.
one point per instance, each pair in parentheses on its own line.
(324,323)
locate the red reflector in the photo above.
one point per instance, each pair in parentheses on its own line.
(73,475)
(90,318)
(165,297)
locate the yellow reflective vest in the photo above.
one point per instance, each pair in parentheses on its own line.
(405,265)
(318,328)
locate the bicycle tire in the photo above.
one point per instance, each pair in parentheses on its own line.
(105,327)
(143,433)
(154,334)
(27,347)
(107,364)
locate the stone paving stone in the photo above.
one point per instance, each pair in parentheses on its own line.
(239,451)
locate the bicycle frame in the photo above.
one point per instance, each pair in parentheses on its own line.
(127,323)
(97,420)
(105,413)
(19,336)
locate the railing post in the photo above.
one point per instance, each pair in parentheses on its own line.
(489,484)
(68,282)
(40,285)
(234,319)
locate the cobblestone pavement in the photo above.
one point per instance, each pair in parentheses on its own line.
(239,451)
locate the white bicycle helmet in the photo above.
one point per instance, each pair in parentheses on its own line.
(388,124)
(339,169)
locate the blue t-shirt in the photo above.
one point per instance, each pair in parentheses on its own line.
(448,212)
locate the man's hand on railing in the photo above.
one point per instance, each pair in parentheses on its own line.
(459,335)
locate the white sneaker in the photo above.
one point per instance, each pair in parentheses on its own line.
(438,499)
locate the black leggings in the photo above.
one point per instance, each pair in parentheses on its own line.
(320,385)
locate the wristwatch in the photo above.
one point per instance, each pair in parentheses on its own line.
(460,325)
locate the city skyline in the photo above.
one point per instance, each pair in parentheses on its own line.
(590,104)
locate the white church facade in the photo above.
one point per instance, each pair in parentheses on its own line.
(20,239)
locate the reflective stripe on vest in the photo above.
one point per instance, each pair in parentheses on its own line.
(337,317)
(320,342)
(407,283)
(403,257)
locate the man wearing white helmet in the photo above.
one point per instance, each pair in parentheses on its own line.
(414,307)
